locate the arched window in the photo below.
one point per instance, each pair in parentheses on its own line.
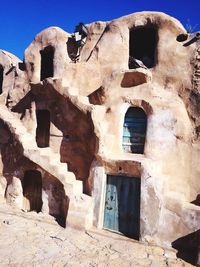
(134,130)
(47,56)
(1,79)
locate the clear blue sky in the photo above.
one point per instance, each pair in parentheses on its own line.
(21,20)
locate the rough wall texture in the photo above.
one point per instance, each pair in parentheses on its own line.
(87,101)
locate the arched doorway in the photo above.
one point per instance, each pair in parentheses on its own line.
(32,191)
(134,130)
(43,128)
(47,56)
(1,79)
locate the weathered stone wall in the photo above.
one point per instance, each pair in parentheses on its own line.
(15,83)
(13,168)
(88,100)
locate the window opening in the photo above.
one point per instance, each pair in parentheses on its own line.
(142,47)
(134,130)
(47,56)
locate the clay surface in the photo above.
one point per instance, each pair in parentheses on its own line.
(62,112)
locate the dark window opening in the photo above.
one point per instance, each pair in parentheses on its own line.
(134,130)
(47,56)
(72,49)
(32,191)
(1,79)
(182,37)
(142,46)
(43,128)
(22,66)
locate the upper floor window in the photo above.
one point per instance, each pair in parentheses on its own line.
(134,130)
(142,47)
(47,56)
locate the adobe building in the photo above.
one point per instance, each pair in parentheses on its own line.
(101,127)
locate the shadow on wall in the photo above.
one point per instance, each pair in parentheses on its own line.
(56,199)
(32,183)
(10,149)
(188,248)
(78,143)
(44,193)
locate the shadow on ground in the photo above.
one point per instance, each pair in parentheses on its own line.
(188,248)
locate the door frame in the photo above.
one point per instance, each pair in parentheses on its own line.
(103,198)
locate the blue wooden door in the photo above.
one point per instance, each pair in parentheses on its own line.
(134,132)
(122,205)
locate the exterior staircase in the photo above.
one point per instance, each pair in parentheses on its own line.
(80,204)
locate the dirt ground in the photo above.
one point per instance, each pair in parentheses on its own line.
(31,239)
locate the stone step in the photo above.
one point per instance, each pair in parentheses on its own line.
(80,219)
(81,202)
(54,158)
(19,130)
(80,212)
(71,187)
(80,207)
(45,150)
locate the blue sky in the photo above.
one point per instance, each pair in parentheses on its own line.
(21,20)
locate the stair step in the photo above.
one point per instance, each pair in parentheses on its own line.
(81,202)
(27,140)
(80,219)
(55,160)
(63,169)
(45,150)
(77,186)
(80,205)
(20,130)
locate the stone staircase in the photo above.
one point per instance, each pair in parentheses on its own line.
(50,162)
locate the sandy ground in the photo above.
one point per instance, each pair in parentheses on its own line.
(31,239)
